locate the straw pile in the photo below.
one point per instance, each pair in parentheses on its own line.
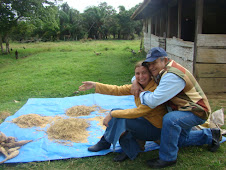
(82,110)
(72,129)
(100,110)
(31,120)
(4,115)
(99,119)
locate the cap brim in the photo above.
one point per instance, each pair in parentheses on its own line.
(149,59)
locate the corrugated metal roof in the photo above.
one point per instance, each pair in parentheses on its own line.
(137,14)
(148,8)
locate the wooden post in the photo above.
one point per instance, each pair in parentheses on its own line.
(160,23)
(179,19)
(149,26)
(198,28)
(2,50)
(16,54)
(156,24)
(168,22)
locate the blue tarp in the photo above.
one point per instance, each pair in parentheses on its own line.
(43,149)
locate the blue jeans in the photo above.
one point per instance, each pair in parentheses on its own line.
(113,132)
(138,128)
(176,132)
(141,129)
(116,126)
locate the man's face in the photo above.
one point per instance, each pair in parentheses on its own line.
(156,66)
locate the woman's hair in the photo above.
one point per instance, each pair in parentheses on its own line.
(139,63)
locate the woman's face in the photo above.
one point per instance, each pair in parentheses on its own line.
(143,76)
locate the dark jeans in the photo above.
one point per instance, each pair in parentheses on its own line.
(141,129)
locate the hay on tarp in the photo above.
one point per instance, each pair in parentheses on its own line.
(4,115)
(82,110)
(101,110)
(99,119)
(72,129)
(31,120)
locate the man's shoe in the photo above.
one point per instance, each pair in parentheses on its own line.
(216,138)
(101,145)
(152,160)
(157,163)
(121,157)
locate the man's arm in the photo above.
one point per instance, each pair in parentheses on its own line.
(170,85)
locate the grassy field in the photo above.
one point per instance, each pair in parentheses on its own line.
(49,70)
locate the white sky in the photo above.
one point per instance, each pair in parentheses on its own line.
(81,5)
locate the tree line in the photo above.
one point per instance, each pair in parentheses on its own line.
(42,20)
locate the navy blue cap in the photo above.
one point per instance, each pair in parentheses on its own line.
(154,54)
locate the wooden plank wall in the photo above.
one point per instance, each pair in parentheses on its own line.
(210,67)
(154,41)
(147,34)
(181,51)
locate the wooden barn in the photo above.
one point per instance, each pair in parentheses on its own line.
(193,33)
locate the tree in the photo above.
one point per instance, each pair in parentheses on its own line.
(31,19)
(96,19)
(111,24)
(126,24)
(92,19)
(108,19)
(47,24)
(12,11)
(138,25)
(77,30)
(23,30)
(71,26)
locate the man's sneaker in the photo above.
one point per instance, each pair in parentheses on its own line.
(216,138)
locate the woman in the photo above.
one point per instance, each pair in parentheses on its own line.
(146,121)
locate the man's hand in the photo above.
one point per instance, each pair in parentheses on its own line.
(136,88)
(107,119)
(87,85)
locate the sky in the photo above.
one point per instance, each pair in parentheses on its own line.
(81,5)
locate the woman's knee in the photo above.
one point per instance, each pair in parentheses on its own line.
(130,124)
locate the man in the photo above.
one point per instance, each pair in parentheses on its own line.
(187,107)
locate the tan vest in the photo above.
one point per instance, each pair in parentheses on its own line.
(192,97)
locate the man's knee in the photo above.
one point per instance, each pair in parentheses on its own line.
(168,118)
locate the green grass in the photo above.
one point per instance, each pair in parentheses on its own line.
(57,69)
(50,70)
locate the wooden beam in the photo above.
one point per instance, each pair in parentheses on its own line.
(199,16)
(198,27)
(211,70)
(211,40)
(205,55)
(168,22)
(156,24)
(179,19)
(160,23)
(209,85)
